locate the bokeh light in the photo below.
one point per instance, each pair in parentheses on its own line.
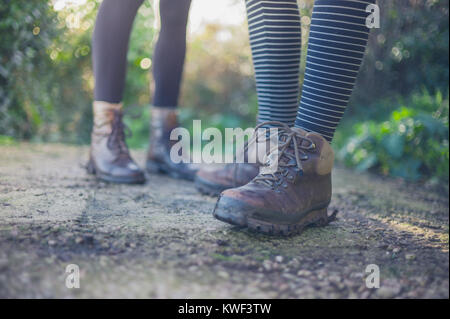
(146,63)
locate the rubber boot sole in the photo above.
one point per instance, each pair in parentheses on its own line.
(315,217)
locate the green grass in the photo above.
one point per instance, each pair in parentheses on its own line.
(7,140)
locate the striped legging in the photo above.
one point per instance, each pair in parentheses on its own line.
(337,41)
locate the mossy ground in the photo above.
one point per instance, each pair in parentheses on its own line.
(160,240)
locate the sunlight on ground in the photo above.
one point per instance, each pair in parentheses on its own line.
(437,237)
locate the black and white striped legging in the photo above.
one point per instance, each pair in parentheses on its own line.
(337,41)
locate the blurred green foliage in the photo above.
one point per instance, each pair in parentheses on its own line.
(412,143)
(407,54)
(45,69)
(397,121)
(23,60)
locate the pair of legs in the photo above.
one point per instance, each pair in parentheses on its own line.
(298,192)
(337,41)
(110,46)
(110,159)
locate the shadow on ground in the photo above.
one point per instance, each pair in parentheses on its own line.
(160,240)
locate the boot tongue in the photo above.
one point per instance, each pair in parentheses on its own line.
(163,121)
(306,134)
(165,118)
(299,131)
(104,114)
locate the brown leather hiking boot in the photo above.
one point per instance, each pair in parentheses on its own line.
(110,159)
(294,195)
(163,121)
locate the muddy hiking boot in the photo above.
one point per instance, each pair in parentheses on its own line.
(110,159)
(163,121)
(283,201)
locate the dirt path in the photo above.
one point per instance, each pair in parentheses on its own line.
(160,240)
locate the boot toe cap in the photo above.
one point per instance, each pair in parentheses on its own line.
(128,174)
(232,210)
(130,169)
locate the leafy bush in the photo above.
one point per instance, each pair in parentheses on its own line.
(46,79)
(413,143)
(409,52)
(26,30)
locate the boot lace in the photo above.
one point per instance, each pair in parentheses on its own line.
(119,132)
(287,140)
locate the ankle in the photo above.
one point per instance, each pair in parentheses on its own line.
(163,111)
(163,117)
(327,136)
(104,112)
(102,106)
